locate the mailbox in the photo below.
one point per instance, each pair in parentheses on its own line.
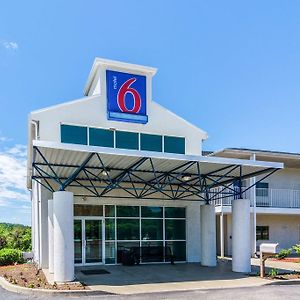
(266,250)
(269,248)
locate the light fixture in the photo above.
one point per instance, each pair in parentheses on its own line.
(186,177)
(105,173)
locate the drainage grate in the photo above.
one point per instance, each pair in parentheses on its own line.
(95,272)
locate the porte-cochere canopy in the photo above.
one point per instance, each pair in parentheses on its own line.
(90,171)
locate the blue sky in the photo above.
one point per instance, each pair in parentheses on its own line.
(230,67)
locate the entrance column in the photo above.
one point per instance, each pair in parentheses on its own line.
(50,236)
(63,236)
(208,236)
(241,240)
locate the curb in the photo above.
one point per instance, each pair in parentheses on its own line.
(286,282)
(28,291)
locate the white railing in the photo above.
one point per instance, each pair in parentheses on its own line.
(284,198)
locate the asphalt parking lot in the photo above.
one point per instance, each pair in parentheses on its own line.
(285,292)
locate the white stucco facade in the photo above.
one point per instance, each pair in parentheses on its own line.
(277,203)
(64,229)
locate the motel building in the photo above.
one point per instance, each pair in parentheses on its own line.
(115,173)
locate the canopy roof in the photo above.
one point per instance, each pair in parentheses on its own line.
(107,172)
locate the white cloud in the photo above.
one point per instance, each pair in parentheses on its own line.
(13,189)
(10,45)
(4,139)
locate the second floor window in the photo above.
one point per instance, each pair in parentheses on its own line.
(262,189)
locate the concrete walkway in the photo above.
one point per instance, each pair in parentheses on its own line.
(165,278)
(277,264)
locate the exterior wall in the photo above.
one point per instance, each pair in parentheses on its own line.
(283,229)
(193,233)
(287,178)
(39,233)
(35,233)
(91,111)
(43,207)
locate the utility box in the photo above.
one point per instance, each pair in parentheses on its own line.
(271,248)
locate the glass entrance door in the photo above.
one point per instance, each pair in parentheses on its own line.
(88,241)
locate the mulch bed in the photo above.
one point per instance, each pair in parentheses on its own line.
(289,276)
(287,259)
(27,275)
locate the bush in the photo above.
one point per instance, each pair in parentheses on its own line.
(10,256)
(296,248)
(284,253)
(273,273)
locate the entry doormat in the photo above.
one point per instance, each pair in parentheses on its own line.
(95,272)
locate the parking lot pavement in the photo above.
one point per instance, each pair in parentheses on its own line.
(287,292)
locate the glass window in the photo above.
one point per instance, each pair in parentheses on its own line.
(175,212)
(127,211)
(151,142)
(262,233)
(78,241)
(88,210)
(151,212)
(152,251)
(109,229)
(101,137)
(178,249)
(109,210)
(174,144)
(110,253)
(152,229)
(262,189)
(127,140)
(175,229)
(121,246)
(73,134)
(128,229)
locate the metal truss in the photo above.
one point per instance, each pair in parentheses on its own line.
(180,183)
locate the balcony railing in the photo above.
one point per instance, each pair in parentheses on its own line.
(283,198)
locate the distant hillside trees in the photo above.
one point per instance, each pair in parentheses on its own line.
(15,236)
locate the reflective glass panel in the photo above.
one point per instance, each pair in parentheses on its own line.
(151,212)
(152,229)
(93,237)
(128,229)
(178,249)
(78,241)
(110,253)
(127,211)
(175,229)
(88,210)
(175,212)
(109,229)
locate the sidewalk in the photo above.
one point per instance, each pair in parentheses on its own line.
(165,278)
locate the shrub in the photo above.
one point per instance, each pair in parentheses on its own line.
(273,273)
(284,253)
(10,256)
(296,248)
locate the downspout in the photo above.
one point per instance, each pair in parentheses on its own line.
(253,194)
(37,204)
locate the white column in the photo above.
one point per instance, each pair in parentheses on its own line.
(241,240)
(63,236)
(208,236)
(50,236)
(222,234)
(253,199)
(193,232)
